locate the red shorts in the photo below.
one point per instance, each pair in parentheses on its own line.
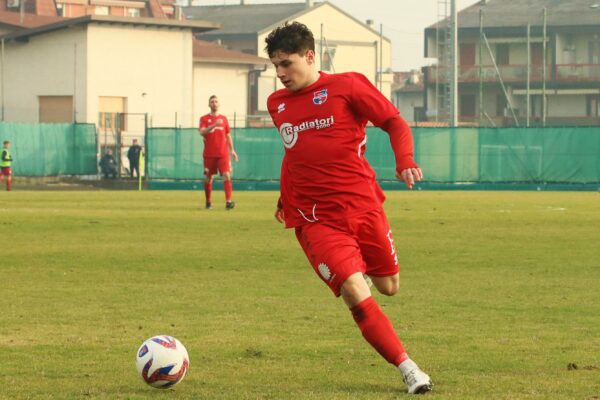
(338,249)
(6,171)
(212,165)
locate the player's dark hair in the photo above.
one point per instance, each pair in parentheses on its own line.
(294,38)
(6,142)
(214,96)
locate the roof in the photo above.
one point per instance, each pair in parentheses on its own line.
(253,19)
(244,19)
(13,19)
(518,13)
(195,26)
(212,52)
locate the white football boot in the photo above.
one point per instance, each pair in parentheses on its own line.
(417,381)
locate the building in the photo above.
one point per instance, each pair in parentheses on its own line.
(407,95)
(77,8)
(340,39)
(507,76)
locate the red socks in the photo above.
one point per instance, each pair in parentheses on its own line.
(377,329)
(207,191)
(228,187)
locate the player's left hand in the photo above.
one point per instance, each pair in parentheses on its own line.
(409,176)
(234,155)
(279,215)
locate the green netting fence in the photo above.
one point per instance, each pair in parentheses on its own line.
(446,155)
(51,149)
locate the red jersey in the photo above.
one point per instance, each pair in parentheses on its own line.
(324,174)
(215,142)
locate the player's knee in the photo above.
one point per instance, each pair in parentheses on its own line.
(387,286)
(389,290)
(226,176)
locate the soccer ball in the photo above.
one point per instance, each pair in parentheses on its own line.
(162,361)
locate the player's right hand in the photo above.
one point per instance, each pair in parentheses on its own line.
(279,215)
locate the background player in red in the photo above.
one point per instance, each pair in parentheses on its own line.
(215,130)
(5,164)
(328,189)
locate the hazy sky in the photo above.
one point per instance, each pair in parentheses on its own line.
(403,22)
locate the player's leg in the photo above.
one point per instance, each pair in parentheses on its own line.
(225,169)
(9,180)
(209,171)
(335,256)
(379,252)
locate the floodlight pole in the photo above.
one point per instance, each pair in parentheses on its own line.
(453,65)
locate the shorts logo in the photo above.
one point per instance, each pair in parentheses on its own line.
(324,271)
(320,97)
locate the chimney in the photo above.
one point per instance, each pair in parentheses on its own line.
(242,3)
(309,3)
(370,23)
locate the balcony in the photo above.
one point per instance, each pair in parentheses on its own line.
(577,72)
(516,73)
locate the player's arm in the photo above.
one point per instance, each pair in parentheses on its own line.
(231,149)
(401,140)
(206,129)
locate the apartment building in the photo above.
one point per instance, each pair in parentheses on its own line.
(534,63)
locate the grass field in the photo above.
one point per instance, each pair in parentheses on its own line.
(500,292)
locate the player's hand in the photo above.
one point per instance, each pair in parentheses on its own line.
(279,215)
(409,176)
(234,155)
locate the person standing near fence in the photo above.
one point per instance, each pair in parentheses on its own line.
(215,130)
(133,154)
(329,193)
(5,165)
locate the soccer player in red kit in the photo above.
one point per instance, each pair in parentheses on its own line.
(328,189)
(215,130)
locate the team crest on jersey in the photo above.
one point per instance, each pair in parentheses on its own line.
(320,97)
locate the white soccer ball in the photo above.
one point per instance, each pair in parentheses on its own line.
(162,361)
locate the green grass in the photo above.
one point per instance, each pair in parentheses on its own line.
(500,291)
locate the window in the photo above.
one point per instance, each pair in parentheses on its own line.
(110,111)
(101,10)
(56,109)
(467,105)
(502,52)
(467,54)
(501,105)
(133,12)
(594,51)
(593,106)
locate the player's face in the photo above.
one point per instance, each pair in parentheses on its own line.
(214,104)
(293,70)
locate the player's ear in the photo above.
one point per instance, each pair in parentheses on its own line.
(310,57)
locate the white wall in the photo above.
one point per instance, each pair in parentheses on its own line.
(406,103)
(229,82)
(127,61)
(354,42)
(47,65)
